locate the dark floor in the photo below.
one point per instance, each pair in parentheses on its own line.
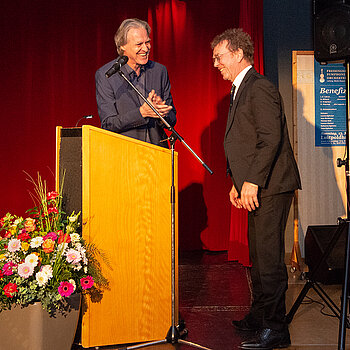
(213,291)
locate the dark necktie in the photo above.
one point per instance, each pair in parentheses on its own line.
(233,88)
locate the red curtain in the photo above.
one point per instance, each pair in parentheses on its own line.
(51,50)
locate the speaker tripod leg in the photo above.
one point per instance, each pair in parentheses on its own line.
(297,303)
(311,282)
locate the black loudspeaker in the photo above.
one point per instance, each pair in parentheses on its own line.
(317,240)
(331,30)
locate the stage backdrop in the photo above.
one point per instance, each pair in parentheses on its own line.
(50,52)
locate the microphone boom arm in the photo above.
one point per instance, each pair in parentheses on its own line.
(169,127)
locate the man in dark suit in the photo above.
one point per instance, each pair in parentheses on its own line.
(261,164)
(120,108)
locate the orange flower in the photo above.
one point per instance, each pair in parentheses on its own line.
(29,225)
(25,246)
(48,245)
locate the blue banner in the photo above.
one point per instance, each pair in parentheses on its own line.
(330,105)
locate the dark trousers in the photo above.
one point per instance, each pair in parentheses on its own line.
(266,227)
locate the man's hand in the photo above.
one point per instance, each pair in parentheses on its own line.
(157,103)
(234,198)
(249,196)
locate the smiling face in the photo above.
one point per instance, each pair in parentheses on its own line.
(229,63)
(137,48)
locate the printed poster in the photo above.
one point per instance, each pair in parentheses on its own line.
(330,105)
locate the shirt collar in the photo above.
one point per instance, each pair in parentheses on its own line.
(239,78)
(132,73)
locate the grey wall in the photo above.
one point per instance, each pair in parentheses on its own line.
(288,26)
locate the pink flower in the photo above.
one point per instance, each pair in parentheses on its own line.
(25,270)
(65,289)
(50,235)
(86,282)
(14,245)
(7,269)
(73,256)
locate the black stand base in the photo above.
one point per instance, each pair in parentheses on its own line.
(173,337)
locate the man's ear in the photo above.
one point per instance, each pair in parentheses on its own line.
(240,55)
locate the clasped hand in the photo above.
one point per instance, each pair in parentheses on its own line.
(157,103)
(248,199)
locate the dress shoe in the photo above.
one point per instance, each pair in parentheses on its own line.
(268,339)
(246,324)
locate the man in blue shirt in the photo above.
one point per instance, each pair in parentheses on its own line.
(120,108)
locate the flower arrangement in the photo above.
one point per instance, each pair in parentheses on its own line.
(43,258)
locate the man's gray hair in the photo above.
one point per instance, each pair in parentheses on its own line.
(121,36)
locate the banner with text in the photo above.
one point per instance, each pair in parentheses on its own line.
(330,105)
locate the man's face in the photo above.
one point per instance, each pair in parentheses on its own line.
(137,48)
(226,61)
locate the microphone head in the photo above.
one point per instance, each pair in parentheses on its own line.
(122,60)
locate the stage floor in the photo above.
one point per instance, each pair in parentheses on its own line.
(213,291)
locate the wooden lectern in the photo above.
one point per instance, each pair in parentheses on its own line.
(122,186)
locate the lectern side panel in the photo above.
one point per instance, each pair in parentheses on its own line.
(127,214)
(70,172)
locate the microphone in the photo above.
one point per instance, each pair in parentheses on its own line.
(84,117)
(121,60)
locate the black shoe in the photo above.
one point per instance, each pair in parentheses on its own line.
(246,324)
(268,339)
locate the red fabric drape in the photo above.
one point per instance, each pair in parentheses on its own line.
(51,51)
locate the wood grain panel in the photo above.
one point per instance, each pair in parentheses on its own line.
(127,214)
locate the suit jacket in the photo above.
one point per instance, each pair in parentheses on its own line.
(118,104)
(256,143)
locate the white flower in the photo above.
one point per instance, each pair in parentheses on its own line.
(41,278)
(17,221)
(36,242)
(83,257)
(32,259)
(69,229)
(85,269)
(47,270)
(75,237)
(71,281)
(73,218)
(62,247)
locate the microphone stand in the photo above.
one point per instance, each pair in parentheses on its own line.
(173,335)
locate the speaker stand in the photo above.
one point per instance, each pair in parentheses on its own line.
(311,282)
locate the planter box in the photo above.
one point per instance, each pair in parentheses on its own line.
(32,327)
